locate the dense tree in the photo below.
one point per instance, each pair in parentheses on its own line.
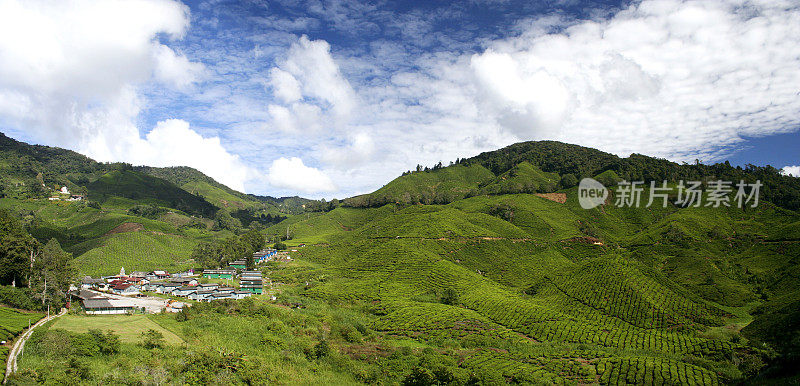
(219,253)
(568,180)
(52,272)
(224,221)
(16,250)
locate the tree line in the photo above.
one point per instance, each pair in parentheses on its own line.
(32,270)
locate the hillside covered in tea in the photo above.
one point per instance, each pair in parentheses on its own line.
(486,271)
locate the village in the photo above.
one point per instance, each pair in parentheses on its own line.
(160,291)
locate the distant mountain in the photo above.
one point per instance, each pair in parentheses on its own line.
(24,169)
(546,166)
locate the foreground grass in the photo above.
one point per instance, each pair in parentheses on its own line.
(128,327)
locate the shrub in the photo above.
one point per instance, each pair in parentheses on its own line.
(152,339)
(320,350)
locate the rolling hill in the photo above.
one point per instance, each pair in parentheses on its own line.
(490,265)
(466,256)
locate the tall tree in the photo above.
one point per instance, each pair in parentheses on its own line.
(17,248)
(52,272)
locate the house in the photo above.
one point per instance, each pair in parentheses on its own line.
(241,294)
(87,282)
(159,275)
(264,255)
(138,275)
(64,190)
(184,291)
(207,286)
(220,296)
(238,264)
(175,307)
(105,306)
(75,197)
(224,290)
(125,289)
(83,294)
(184,281)
(166,288)
(251,281)
(201,295)
(219,273)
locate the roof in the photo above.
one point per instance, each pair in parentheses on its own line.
(229,271)
(84,294)
(208,285)
(107,303)
(187,288)
(225,289)
(138,274)
(160,273)
(122,286)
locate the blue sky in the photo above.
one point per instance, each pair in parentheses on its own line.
(336,98)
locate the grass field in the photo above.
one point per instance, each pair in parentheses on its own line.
(128,327)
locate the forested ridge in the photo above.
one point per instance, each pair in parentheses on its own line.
(569,163)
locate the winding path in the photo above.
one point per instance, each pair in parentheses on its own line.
(19,344)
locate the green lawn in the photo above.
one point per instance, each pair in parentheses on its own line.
(128,327)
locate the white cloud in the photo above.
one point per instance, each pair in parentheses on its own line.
(175,69)
(173,143)
(78,65)
(314,92)
(285,86)
(681,80)
(791,170)
(358,151)
(291,173)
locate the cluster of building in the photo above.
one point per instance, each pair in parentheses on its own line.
(65,195)
(199,292)
(184,284)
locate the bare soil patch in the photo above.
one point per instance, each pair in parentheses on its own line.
(125,227)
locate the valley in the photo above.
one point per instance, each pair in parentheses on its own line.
(487,271)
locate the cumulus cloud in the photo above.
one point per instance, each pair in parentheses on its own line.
(791,171)
(175,69)
(173,143)
(674,79)
(292,173)
(314,92)
(677,79)
(70,73)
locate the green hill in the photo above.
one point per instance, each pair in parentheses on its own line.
(470,274)
(428,187)
(539,167)
(143,188)
(642,289)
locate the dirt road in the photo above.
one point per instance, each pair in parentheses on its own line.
(19,344)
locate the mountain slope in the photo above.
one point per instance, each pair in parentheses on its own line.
(537,167)
(142,188)
(639,289)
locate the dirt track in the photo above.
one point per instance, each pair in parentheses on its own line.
(19,344)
